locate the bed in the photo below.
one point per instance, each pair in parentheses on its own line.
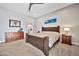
(42,40)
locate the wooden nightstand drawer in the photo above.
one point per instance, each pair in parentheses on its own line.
(66,39)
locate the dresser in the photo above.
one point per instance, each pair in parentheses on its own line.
(13,36)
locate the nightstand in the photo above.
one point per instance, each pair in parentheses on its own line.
(66,39)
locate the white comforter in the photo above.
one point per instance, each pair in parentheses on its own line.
(53,36)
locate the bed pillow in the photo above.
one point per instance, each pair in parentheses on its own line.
(49,32)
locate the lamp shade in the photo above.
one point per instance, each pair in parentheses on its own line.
(67,29)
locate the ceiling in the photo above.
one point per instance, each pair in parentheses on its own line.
(37,10)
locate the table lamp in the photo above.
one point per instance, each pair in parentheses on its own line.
(66,30)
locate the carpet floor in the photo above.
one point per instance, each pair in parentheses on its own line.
(64,50)
(20,48)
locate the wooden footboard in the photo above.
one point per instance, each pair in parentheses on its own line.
(46,46)
(41,43)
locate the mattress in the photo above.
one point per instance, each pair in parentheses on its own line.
(53,36)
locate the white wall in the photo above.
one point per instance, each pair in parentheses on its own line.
(66,17)
(75,29)
(5,15)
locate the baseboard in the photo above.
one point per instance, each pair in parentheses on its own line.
(2,41)
(75,43)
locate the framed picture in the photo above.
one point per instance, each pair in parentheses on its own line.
(49,21)
(14,23)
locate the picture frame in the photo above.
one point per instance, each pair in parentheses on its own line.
(49,21)
(14,23)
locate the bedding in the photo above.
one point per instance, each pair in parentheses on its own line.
(53,36)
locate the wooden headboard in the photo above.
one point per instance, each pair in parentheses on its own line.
(55,29)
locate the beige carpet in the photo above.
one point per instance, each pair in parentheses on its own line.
(20,48)
(64,50)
